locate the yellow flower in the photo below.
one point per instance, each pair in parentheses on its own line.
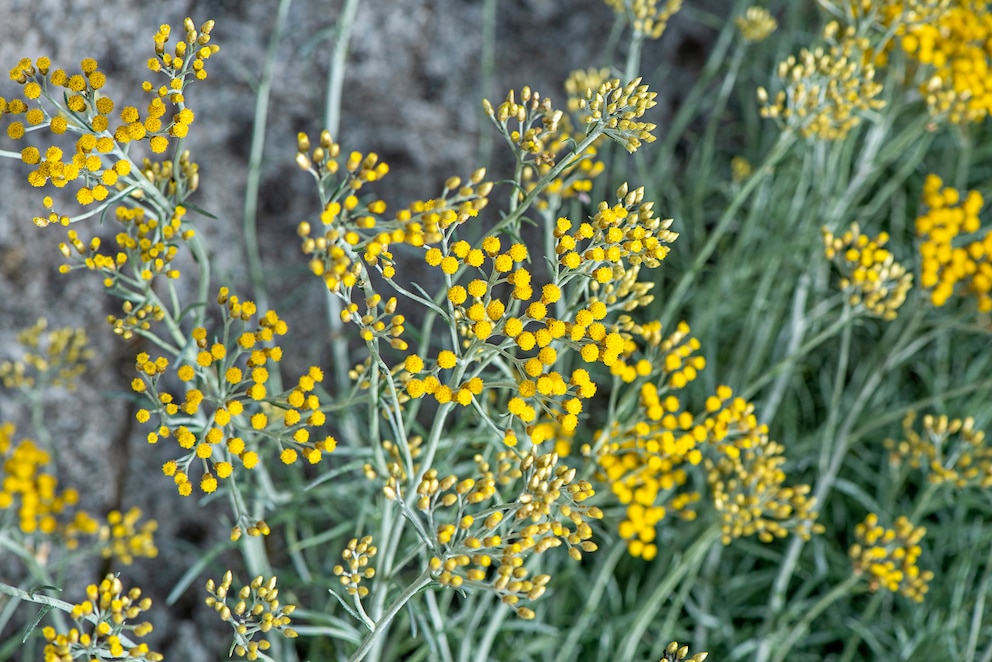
(446,359)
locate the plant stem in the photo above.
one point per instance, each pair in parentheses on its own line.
(839,591)
(250,222)
(674,299)
(838,447)
(335,74)
(332,122)
(649,608)
(591,609)
(380,626)
(851,647)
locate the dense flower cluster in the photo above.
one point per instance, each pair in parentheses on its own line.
(647,461)
(946,261)
(499,308)
(54,359)
(648,18)
(257,610)
(827,90)
(887,557)
(227,411)
(870,277)
(643,460)
(124,539)
(29,495)
(750,494)
(101,626)
(949,451)
(949,41)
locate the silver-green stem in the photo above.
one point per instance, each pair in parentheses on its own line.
(381,624)
(782,650)
(262,95)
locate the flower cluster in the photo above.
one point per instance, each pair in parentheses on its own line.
(949,451)
(28,490)
(136,319)
(643,461)
(77,104)
(949,41)
(227,410)
(647,461)
(646,465)
(54,359)
(888,557)
(539,145)
(526,329)
(750,494)
(102,630)
(827,90)
(756,24)
(616,108)
(532,126)
(257,610)
(947,262)
(145,248)
(485,528)
(648,18)
(105,169)
(27,487)
(870,277)
(124,539)
(356,234)
(534,122)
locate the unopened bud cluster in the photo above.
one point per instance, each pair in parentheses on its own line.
(647,18)
(826,91)
(950,451)
(617,107)
(357,554)
(254,608)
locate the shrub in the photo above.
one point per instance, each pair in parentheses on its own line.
(549,428)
